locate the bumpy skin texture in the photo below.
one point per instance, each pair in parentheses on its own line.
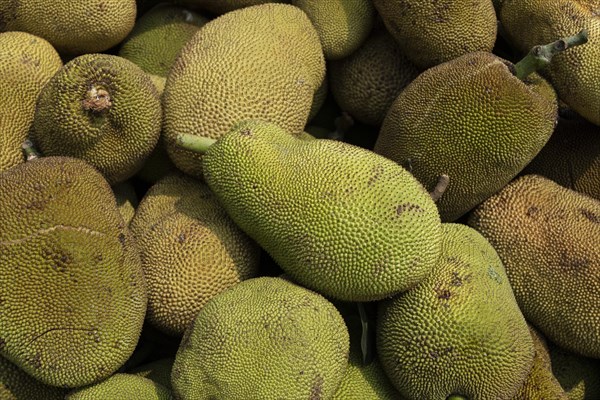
(343,25)
(158,36)
(72,27)
(16,384)
(571,157)
(574,72)
(349,224)
(473,120)
(540,383)
(223,6)
(116,140)
(122,387)
(547,237)
(159,371)
(578,376)
(265,338)
(459,331)
(190,255)
(366,83)
(432,32)
(27,62)
(72,289)
(263,62)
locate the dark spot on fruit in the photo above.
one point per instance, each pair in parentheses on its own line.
(246,132)
(376,173)
(316,390)
(590,216)
(443,294)
(456,279)
(122,238)
(404,207)
(101,7)
(532,211)
(181,238)
(35,361)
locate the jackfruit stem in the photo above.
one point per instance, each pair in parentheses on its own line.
(29,150)
(97,99)
(197,144)
(440,187)
(456,397)
(541,55)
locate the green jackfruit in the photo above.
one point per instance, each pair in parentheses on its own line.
(27,63)
(122,387)
(72,27)
(349,224)
(547,237)
(265,338)
(189,255)
(262,62)
(481,127)
(16,384)
(158,371)
(103,109)
(72,289)
(573,73)
(460,331)
(433,32)
(157,39)
(342,25)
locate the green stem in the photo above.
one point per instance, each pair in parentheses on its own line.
(29,150)
(541,55)
(197,144)
(456,397)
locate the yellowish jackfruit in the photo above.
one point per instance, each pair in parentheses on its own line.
(460,331)
(547,237)
(122,387)
(265,338)
(16,384)
(342,25)
(71,283)
(103,109)
(27,62)
(72,26)
(263,62)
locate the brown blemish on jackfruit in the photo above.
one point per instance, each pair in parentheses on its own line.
(408,207)
(316,390)
(590,216)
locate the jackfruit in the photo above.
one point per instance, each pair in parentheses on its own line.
(366,83)
(319,98)
(71,283)
(263,62)
(547,237)
(158,371)
(190,255)
(442,337)
(27,62)
(342,25)
(574,72)
(349,224)
(157,39)
(127,200)
(433,32)
(472,119)
(265,338)
(578,376)
(122,387)
(541,383)
(16,384)
(73,27)
(571,157)
(100,108)
(224,6)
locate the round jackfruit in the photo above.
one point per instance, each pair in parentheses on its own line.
(460,331)
(574,72)
(73,27)
(342,25)
(265,338)
(157,39)
(571,157)
(16,384)
(366,83)
(433,32)
(27,63)
(103,109)
(190,255)
(158,371)
(471,119)
(122,387)
(71,284)
(263,62)
(547,237)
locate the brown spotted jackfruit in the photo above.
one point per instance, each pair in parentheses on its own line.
(73,27)
(71,284)
(547,237)
(27,63)
(262,62)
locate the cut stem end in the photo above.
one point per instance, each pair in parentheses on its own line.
(97,100)
(440,187)
(29,150)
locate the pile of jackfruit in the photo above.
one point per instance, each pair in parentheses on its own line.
(299,200)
